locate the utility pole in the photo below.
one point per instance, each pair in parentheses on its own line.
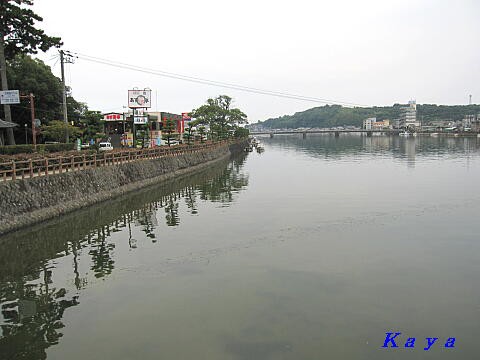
(470,101)
(30,97)
(3,75)
(65,58)
(34,132)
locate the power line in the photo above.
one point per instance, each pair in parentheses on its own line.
(206,81)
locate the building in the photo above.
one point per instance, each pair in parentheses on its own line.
(374,124)
(381,125)
(367,123)
(475,123)
(119,127)
(408,116)
(468,121)
(158,120)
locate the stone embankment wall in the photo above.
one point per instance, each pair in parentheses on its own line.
(29,201)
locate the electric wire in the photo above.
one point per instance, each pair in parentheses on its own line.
(199,80)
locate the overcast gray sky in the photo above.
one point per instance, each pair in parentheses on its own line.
(366,52)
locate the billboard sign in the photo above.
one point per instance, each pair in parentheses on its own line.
(140,120)
(113,117)
(139,98)
(9,97)
(185,117)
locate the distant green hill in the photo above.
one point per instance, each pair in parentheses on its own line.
(336,115)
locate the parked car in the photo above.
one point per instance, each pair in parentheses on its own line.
(172,142)
(105,146)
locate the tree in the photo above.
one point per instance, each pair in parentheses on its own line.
(201,132)
(19,35)
(218,114)
(189,134)
(55,131)
(169,129)
(34,76)
(91,124)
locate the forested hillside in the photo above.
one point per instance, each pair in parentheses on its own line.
(336,115)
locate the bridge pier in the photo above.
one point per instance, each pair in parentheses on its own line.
(337,133)
(369,134)
(304,135)
(271,135)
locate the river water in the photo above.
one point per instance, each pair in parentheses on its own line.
(313,249)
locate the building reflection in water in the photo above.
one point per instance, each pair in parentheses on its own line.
(40,269)
(330,148)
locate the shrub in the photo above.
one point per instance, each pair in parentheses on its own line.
(26,149)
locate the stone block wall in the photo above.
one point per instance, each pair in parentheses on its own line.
(25,202)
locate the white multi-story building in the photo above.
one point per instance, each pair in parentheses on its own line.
(368,123)
(408,116)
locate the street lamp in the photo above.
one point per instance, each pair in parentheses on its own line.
(26,137)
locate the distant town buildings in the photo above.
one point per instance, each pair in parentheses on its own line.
(471,122)
(367,123)
(374,124)
(408,116)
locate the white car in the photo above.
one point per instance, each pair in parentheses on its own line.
(105,146)
(172,142)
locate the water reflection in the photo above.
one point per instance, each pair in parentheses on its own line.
(329,147)
(44,270)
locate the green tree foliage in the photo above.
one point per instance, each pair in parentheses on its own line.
(33,76)
(169,128)
(18,35)
(218,114)
(202,133)
(336,115)
(55,131)
(91,124)
(18,31)
(189,134)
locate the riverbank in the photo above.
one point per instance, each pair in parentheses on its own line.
(33,200)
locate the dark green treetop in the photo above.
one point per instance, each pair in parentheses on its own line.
(18,32)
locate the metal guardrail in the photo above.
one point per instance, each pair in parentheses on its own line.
(22,169)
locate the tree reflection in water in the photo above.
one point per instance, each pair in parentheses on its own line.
(79,247)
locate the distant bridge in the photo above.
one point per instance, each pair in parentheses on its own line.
(328,131)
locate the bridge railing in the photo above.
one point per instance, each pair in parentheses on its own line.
(22,169)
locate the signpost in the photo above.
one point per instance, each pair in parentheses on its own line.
(8,97)
(139,101)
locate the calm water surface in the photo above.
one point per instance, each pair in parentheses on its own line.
(311,250)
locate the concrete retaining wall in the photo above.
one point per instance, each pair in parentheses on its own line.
(29,201)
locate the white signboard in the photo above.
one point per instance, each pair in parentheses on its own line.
(9,97)
(140,120)
(139,98)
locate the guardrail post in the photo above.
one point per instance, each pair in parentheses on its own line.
(30,167)
(84,162)
(14,170)
(60,164)
(95,160)
(72,163)
(46,166)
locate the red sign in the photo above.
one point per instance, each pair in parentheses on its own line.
(113,117)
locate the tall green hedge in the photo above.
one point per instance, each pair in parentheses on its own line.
(25,149)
